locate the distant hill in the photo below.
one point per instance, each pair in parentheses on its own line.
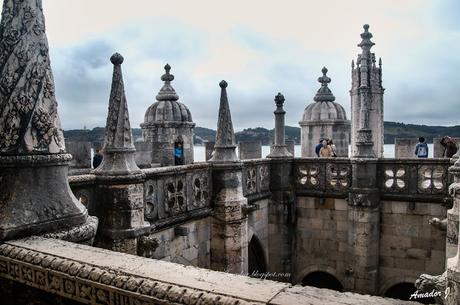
(392,130)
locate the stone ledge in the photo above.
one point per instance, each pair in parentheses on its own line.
(92,275)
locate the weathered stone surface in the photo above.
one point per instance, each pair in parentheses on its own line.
(405,147)
(118,147)
(279,148)
(29,122)
(166,123)
(367,94)
(224,149)
(131,278)
(81,154)
(250,150)
(324,119)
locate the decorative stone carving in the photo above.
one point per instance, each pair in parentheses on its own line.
(224,149)
(309,174)
(118,144)
(251,180)
(92,284)
(395,179)
(29,122)
(200,187)
(151,203)
(175,197)
(432,179)
(338,176)
(367,101)
(264,174)
(428,283)
(34,192)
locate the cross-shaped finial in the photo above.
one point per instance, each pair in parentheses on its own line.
(324,80)
(167,78)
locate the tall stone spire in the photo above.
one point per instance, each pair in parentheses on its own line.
(167,92)
(224,150)
(29,122)
(35,196)
(324,94)
(367,101)
(279,148)
(118,144)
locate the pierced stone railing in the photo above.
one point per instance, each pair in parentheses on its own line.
(414,179)
(322,176)
(256,179)
(173,194)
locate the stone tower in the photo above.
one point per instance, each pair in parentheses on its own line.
(324,119)
(167,123)
(367,91)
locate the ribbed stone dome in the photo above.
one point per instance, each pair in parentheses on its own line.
(324,107)
(324,111)
(167,108)
(167,111)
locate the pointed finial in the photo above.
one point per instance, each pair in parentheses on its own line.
(380,62)
(167,92)
(352,64)
(324,94)
(279,99)
(324,80)
(366,43)
(223,84)
(116,59)
(167,78)
(224,149)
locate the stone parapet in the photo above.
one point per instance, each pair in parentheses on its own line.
(95,276)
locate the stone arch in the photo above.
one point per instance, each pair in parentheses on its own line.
(403,290)
(394,281)
(256,256)
(321,279)
(321,270)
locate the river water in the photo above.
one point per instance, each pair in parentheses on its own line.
(388,151)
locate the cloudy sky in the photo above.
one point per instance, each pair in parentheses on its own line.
(260,48)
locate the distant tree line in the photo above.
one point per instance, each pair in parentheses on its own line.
(265,136)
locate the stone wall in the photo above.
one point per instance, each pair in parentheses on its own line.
(321,237)
(186,244)
(409,245)
(250,150)
(405,147)
(81,154)
(258,225)
(338,131)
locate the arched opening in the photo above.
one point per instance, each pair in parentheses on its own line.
(256,258)
(179,151)
(321,279)
(403,291)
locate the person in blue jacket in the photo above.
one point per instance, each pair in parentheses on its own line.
(318,147)
(421,149)
(178,154)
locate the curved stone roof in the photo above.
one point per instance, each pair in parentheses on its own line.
(324,107)
(167,111)
(167,108)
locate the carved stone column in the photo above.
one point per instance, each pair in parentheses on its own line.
(35,196)
(453,264)
(120,185)
(279,148)
(229,241)
(363,210)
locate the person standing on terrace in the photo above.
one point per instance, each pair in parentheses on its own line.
(421,149)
